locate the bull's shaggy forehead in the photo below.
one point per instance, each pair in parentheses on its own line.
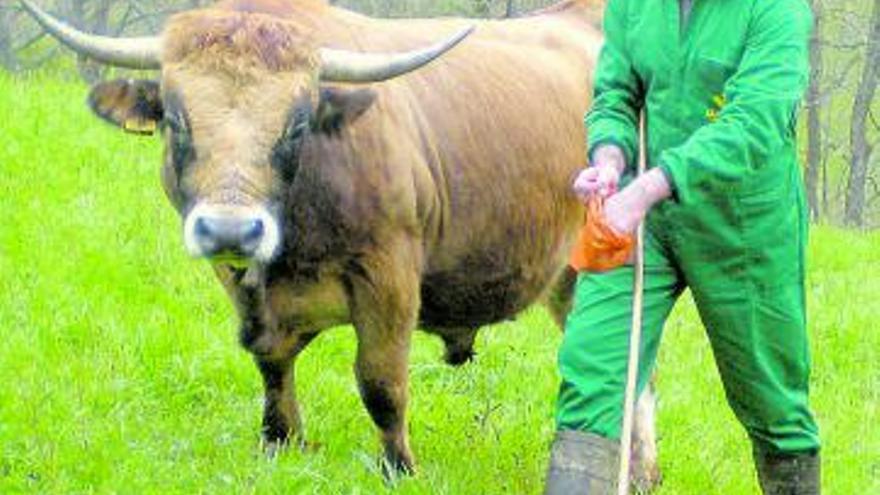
(279,8)
(237,69)
(271,35)
(233,127)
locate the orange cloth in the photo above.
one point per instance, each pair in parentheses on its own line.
(599,248)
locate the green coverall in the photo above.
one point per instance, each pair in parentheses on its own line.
(721,94)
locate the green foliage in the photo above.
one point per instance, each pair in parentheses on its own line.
(121,372)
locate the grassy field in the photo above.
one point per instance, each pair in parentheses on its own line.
(120,371)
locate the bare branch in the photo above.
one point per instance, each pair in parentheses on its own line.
(873,119)
(875,188)
(852,45)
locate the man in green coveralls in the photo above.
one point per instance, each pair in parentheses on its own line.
(720,82)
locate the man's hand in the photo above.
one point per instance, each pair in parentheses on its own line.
(604,174)
(625,210)
(596,180)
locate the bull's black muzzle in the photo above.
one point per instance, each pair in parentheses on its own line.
(228,236)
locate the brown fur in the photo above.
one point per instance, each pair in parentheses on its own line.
(447,202)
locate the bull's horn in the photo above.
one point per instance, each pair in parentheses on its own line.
(134,53)
(347,66)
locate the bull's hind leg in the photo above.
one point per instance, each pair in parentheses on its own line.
(383,291)
(645,472)
(559,298)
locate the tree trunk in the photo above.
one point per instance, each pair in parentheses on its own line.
(814,128)
(861,149)
(482,8)
(509,9)
(8,59)
(90,70)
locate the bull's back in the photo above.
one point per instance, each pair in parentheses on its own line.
(505,137)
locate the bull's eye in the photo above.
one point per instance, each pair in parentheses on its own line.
(176,126)
(179,141)
(286,152)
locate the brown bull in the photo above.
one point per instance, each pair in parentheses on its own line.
(440,199)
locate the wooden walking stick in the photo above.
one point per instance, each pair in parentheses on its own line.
(635,337)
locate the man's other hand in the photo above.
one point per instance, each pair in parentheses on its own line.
(625,210)
(596,180)
(603,175)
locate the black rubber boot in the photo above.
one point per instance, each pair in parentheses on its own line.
(787,474)
(582,464)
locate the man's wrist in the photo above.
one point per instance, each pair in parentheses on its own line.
(652,187)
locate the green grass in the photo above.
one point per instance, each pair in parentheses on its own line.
(120,370)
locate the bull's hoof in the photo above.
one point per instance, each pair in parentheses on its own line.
(459,346)
(395,468)
(646,480)
(273,448)
(645,475)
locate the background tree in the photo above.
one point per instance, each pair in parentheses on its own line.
(861,144)
(813,110)
(8,59)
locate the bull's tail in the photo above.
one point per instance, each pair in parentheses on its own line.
(560,296)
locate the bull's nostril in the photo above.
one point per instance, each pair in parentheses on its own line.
(202,228)
(253,231)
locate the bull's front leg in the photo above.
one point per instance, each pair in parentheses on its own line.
(281,418)
(282,423)
(384,292)
(382,375)
(275,350)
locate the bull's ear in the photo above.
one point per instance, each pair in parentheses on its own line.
(340,107)
(134,105)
